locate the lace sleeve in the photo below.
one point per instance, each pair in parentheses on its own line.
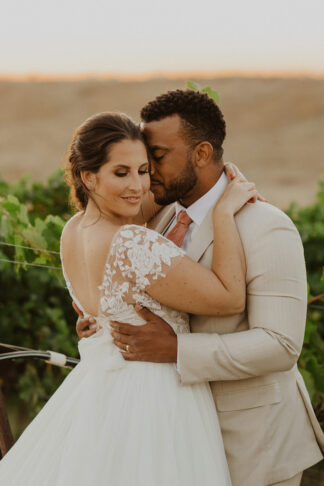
(143,255)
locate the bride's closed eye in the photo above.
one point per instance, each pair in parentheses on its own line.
(124,173)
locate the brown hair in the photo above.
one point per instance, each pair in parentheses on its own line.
(90,148)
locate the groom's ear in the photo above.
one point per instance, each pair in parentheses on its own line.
(203,154)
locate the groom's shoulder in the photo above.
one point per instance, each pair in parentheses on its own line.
(260,217)
(163,215)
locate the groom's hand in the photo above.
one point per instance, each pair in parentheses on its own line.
(83,328)
(154,341)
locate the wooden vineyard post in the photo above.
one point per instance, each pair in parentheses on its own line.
(6,439)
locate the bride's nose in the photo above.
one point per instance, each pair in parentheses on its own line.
(135,183)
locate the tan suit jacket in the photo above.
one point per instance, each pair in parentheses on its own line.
(269,428)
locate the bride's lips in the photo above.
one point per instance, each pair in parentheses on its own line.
(132,199)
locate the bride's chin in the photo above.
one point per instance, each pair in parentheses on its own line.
(130,213)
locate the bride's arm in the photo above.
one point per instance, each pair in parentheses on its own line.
(190,287)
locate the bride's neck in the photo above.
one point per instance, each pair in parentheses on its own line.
(94,213)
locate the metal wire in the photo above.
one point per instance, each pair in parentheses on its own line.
(14,347)
(3,243)
(30,264)
(20,352)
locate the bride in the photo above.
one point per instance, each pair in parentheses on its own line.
(117,422)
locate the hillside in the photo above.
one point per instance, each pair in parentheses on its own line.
(275,127)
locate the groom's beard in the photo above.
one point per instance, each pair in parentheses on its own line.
(178,188)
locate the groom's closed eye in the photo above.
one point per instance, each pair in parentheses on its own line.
(158,155)
(158,159)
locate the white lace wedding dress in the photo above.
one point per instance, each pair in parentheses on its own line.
(118,423)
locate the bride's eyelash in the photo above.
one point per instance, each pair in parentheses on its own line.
(123,174)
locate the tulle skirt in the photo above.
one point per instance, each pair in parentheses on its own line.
(129,425)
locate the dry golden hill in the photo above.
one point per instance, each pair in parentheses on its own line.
(275,127)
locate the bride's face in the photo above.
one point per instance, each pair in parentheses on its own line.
(120,184)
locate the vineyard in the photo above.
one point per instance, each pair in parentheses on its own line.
(35,306)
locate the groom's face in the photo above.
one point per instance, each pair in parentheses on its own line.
(171,159)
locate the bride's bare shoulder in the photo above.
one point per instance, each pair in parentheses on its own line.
(70,226)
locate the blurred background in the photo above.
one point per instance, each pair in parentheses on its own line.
(61,62)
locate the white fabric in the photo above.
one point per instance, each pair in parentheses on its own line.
(199,209)
(114,422)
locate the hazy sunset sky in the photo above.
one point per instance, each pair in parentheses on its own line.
(143,37)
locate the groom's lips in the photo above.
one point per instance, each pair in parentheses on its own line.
(156,183)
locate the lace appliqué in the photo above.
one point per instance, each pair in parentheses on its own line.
(141,255)
(112,300)
(138,256)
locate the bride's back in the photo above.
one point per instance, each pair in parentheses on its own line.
(84,250)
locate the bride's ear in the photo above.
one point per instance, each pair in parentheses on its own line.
(88,179)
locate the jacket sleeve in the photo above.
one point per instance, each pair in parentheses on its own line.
(276,309)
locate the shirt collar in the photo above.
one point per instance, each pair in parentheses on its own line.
(199,209)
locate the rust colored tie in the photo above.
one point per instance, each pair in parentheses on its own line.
(179,231)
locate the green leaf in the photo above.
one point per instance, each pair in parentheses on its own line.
(208,90)
(12,205)
(211,93)
(35,238)
(4,227)
(193,86)
(23,215)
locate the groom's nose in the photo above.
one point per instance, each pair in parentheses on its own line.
(151,166)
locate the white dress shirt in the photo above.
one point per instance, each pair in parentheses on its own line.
(197,212)
(199,209)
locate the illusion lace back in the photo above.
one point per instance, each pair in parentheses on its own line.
(114,422)
(138,256)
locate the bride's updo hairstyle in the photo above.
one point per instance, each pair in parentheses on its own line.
(90,148)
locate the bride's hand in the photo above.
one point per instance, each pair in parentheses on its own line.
(238,192)
(233,171)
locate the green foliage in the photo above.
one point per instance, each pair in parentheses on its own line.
(36,310)
(210,91)
(35,307)
(310,223)
(40,198)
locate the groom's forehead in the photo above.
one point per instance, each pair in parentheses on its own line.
(161,131)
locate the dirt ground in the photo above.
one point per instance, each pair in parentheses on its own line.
(275,127)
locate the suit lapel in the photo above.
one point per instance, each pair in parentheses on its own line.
(164,219)
(203,237)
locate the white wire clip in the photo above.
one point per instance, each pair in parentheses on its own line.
(57,359)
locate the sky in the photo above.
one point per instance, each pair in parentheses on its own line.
(143,37)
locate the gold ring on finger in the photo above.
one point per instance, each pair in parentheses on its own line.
(127,348)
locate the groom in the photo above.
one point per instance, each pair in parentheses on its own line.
(269,429)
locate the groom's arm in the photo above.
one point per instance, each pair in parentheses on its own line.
(276,306)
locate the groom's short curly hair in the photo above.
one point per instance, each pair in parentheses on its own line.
(202,119)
